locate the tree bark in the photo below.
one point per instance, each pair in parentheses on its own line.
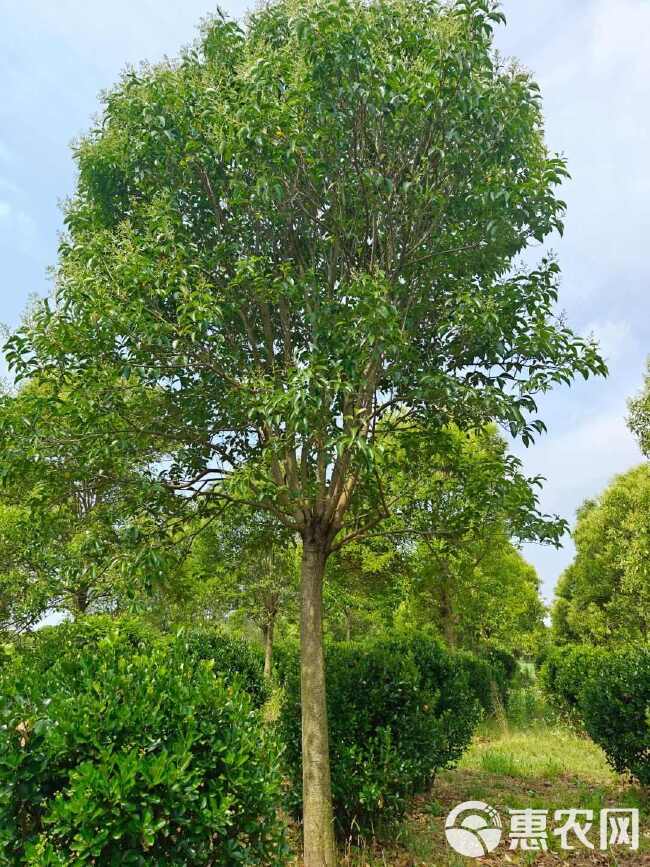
(318,828)
(269,629)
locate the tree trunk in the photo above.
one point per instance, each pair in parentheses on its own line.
(269,629)
(318,829)
(348,625)
(447,614)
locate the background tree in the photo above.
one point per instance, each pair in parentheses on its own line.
(639,418)
(475,601)
(68,538)
(603,597)
(295,244)
(243,568)
(363,586)
(466,500)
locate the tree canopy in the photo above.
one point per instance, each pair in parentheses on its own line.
(604,595)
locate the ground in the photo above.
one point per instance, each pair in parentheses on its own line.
(544,766)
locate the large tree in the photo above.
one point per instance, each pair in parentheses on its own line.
(297,242)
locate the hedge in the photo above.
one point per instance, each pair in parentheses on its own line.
(615,706)
(121,755)
(399,709)
(234,658)
(608,691)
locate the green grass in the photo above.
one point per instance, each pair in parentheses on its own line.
(546,752)
(543,767)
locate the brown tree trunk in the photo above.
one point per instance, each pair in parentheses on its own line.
(80,602)
(348,625)
(269,629)
(447,614)
(318,829)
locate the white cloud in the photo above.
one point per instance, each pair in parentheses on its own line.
(614,337)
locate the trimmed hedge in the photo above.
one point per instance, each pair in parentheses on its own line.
(564,672)
(399,709)
(122,755)
(615,706)
(235,659)
(608,690)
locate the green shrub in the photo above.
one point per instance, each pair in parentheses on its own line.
(399,709)
(121,755)
(504,667)
(614,704)
(563,674)
(234,659)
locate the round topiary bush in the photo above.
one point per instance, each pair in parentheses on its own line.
(614,704)
(398,710)
(120,755)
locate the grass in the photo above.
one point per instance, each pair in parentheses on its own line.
(544,766)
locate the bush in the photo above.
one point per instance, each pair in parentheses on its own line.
(399,709)
(118,755)
(47,645)
(504,667)
(234,659)
(614,704)
(563,674)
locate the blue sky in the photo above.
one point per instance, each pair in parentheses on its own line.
(592,61)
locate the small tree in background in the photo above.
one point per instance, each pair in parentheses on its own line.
(68,539)
(294,246)
(243,567)
(639,418)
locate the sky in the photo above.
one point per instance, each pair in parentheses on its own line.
(592,62)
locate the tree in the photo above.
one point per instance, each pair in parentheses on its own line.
(293,245)
(67,538)
(639,418)
(476,601)
(465,499)
(603,597)
(363,585)
(241,565)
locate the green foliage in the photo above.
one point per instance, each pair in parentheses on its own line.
(563,673)
(490,676)
(462,501)
(292,231)
(68,539)
(615,706)
(399,709)
(116,754)
(234,659)
(604,596)
(608,691)
(50,643)
(639,418)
